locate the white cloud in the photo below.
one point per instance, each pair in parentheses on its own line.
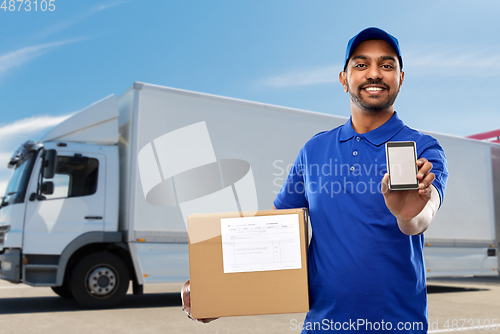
(3,187)
(14,134)
(75,19)
(28,126)
(320,75)
(453,62)
(110,5)
(5,156)
(22,56)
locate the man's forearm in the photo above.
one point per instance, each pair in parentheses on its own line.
(421,222)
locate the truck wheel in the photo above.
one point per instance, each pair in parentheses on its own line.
(100,280)
(62,291)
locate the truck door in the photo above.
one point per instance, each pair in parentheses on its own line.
(75,207)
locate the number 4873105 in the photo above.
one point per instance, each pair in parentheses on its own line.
(28,5)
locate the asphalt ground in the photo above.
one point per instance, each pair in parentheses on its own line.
(465,305)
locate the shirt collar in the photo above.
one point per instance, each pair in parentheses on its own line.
(376,136)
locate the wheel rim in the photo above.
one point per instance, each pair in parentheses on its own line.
(102,281)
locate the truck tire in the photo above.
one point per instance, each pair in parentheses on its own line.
(100,280)
(63,291)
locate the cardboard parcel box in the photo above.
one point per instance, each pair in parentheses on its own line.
(248,263)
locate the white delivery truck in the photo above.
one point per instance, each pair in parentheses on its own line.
(102,199)
(464,237)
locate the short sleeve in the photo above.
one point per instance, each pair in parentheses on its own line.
(292,194)
(434,153)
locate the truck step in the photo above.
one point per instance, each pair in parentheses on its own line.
(40,274)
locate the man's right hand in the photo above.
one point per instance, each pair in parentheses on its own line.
(186,303)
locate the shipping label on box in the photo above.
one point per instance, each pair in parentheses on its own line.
(261,243)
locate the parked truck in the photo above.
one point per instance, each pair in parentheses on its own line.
(102,199)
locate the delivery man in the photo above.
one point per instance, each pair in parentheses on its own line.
(366,265)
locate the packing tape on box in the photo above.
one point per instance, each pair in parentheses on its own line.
(180,168)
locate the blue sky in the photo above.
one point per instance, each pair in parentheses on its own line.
(283,52)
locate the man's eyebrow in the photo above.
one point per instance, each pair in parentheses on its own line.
(388,58)
(359,57)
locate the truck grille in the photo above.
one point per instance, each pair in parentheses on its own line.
(3,229)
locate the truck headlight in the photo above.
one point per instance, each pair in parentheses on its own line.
(6,265)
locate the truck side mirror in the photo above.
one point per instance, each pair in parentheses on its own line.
(49,164)
(48,188)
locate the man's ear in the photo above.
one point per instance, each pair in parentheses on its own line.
(401,79)
(343,80)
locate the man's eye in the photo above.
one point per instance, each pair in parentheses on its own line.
(360,65)
(387,66)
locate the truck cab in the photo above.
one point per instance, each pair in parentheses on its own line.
(59,216)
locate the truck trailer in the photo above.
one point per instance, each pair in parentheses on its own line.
(102,199)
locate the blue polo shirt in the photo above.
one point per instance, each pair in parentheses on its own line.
(365,275)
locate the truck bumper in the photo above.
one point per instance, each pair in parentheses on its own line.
(10,263)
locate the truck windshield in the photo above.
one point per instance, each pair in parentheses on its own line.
(16,189)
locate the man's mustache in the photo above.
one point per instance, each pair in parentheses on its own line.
(374,82)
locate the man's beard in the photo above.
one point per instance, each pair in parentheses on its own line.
(374,108)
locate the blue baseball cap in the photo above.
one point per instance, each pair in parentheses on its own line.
(372,33)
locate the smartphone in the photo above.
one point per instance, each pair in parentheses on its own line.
(401,158)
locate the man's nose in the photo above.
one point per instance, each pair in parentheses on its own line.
(374,72)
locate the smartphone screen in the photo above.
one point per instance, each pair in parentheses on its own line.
(402,165)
